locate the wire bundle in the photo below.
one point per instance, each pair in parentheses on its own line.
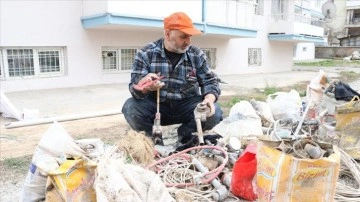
(348,167)
(177,171)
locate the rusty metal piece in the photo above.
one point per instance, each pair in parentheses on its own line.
(284,147)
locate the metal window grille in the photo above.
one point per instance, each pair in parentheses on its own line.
(127,58)
(117,59)
(279,6)
(109,58)
(211,56)
(254,56)
(49,61)
(259,7)
(20,62)
(31,62)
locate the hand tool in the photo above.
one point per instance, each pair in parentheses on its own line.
(144,84)
(157,131)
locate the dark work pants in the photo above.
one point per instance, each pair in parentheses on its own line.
(140,114)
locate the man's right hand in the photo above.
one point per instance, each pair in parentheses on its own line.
(149,78)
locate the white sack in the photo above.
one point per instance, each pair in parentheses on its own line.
(53,144)
(117,181)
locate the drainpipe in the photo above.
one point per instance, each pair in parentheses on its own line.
(203,14)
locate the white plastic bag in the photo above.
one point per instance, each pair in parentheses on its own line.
(285,105)
(242,121)
(263,110)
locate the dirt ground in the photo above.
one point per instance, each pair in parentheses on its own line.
(18,144)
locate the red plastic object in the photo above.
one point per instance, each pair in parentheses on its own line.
(243,174)
(141,85)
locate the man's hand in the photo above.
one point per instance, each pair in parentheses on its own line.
(153,83)
(158,84)
(209,100)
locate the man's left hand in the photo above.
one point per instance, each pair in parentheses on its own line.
(209,100)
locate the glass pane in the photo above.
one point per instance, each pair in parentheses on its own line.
(49,61)
(20,62)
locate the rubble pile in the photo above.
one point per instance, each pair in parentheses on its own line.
(287,148)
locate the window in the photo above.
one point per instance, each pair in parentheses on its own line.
(211,56)
(109,60)
(127,58)
(254,56)
(31,62)
(118,59)
(259,7)
(279,6)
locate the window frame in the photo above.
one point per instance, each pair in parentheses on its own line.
(4,65)
(118,50)
(212,60)
(116,60)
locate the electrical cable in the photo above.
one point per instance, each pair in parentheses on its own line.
(177,171)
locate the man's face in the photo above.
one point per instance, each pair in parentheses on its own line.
(178,41)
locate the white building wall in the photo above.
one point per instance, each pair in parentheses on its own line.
(141,8)
(304,51)
(57,23)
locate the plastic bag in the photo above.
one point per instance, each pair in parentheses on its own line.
(242,121)
(74,180)
(243,174)
(285,105)
(263,110)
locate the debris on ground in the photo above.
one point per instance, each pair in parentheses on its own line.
(7,109)
(287,148)
(354,56)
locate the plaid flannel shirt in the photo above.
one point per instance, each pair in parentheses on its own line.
(190,77)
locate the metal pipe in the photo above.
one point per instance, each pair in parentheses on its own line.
(199,132)
(60,119)
(221,191)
